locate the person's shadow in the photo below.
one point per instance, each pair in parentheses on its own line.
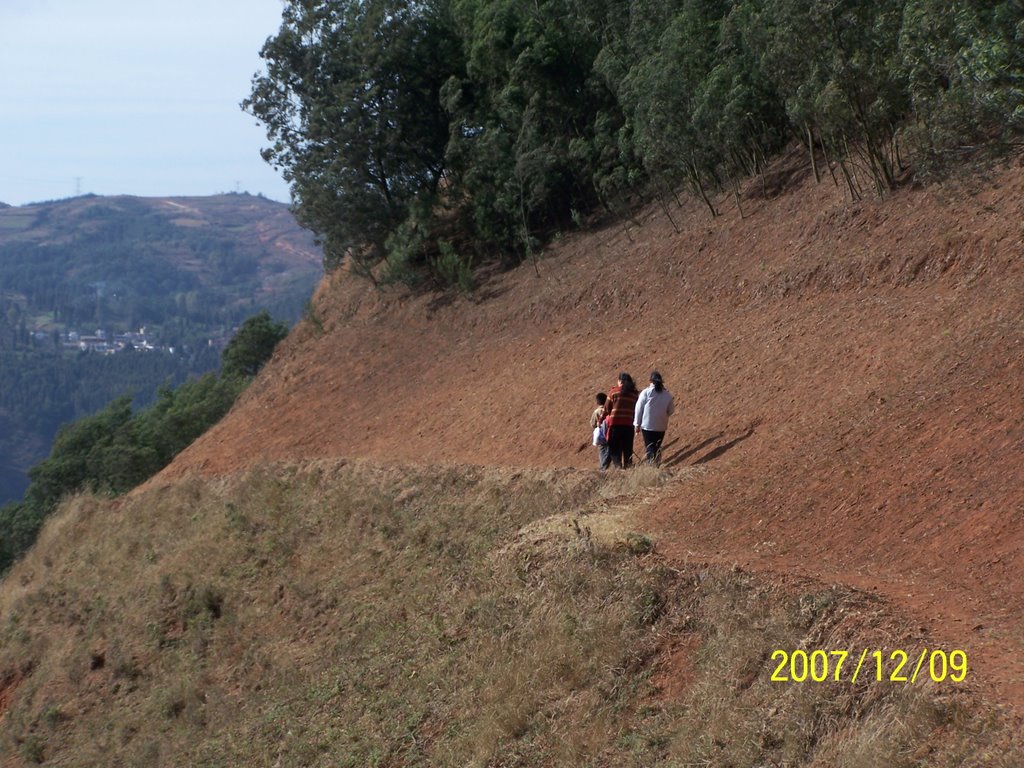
(687,451)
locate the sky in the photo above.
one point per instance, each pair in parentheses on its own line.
(136,97)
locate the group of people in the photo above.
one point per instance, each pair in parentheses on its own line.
(623,412)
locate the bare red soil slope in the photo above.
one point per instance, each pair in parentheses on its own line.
(849,374)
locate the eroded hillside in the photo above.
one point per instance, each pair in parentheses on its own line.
(394,550)
(849,375)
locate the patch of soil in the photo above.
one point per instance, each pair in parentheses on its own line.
(849,379)
(9,682)
(677,668)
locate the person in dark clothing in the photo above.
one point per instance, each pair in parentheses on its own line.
(619,410)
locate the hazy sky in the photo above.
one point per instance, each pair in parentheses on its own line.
(132,97)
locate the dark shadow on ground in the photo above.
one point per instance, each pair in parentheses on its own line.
(716,452)
(669,444)
(684,453)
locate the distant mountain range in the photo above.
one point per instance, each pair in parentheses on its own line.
(85,280)
(124,258)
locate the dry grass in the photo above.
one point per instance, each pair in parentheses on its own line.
(357,614)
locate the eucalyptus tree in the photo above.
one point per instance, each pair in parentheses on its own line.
(530,116)
(836,65)
(673,48)
(736,107)
(350,101)
(964,61)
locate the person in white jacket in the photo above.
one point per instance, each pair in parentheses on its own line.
(650,418)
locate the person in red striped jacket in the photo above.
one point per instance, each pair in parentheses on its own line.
(619,409)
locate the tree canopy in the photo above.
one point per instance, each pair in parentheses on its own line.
(438,134)
(351,101)
(251,347)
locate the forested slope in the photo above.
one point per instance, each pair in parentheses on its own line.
(423,139)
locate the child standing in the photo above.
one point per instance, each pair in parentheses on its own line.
(600,430)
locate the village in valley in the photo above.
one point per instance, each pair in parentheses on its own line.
(105,343)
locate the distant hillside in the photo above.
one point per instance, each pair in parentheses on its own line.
(84,280)
(150,260)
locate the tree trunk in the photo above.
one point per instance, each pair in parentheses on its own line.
(810,146)
(661,201)
(828,162)
(699,185)
(854,194)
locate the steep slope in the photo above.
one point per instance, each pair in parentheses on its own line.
(849,375)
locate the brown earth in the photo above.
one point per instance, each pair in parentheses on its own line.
(849,375)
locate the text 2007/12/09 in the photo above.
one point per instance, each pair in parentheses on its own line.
(895,666)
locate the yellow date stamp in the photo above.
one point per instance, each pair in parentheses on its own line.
(896,666)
